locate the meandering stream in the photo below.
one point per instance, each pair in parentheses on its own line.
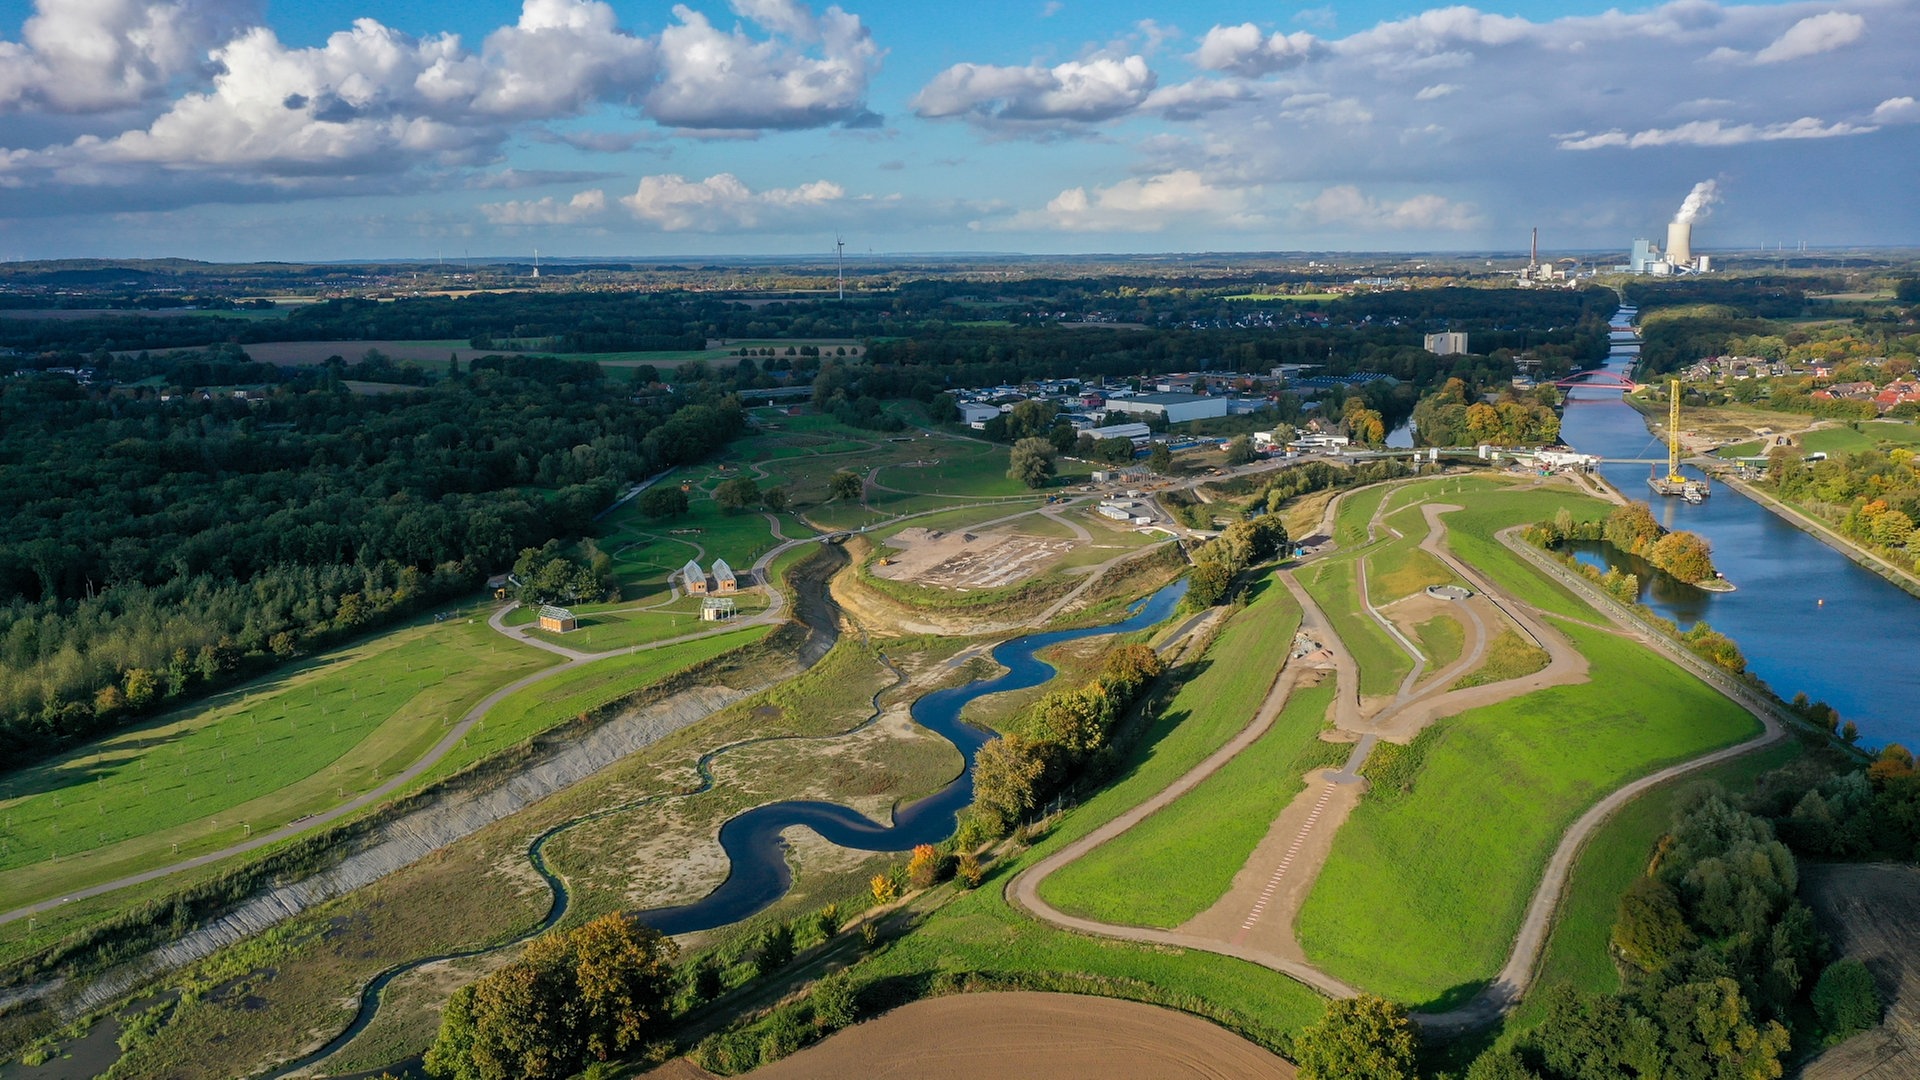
(758,874)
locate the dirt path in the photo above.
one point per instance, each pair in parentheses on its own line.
(1030,1036)
(1024,890)
(1254,920)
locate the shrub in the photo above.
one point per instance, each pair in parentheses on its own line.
(827,920)
(784,1033)
(728,1053)
(885,889)
(775,949)
(1362,1038)
(923,870)
(1846,998)
(970,872)
(835,1002)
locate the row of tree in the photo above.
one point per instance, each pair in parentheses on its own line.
(1873,496)
(1053,741)
(1632,528)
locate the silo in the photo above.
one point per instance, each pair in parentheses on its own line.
(1680,243)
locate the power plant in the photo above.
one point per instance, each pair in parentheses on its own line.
(1678,258)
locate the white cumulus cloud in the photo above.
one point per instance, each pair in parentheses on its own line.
(1814,35)
(1244,50)
(91,55)
(722,202)
(1346,205)
(1077,91)
(1139,204)
(585,206)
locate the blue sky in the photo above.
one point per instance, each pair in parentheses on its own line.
(233,129)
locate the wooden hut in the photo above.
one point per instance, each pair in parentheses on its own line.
(557,619)
(694,578)
(723,580)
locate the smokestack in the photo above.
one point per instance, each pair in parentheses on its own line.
(1680,243)
(1534,258)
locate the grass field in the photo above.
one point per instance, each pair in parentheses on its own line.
(1177,863)
(553,701)
(1509,656)
(1332,584)
(1423,893)
(249,760)
(1442,638)
(602,628)
(1842,439)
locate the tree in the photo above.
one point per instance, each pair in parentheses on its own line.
(1031,462)
(1846,998)
(923,869)
(775,949)
(1160,458)
(1360,1038)
(774,499)
(663,500)
(587,994)
(1239,450)
(737,493)
(1031,418)
(1005,773)
(1685,555)
(845,485)
(1651,929)
(1500,1065)
(1208,583)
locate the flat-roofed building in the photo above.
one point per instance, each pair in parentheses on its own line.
(1177,408)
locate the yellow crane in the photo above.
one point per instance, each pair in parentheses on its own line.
(1673,433)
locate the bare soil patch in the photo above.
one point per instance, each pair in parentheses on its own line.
(1041,1036)
(1873,913)
(964,560)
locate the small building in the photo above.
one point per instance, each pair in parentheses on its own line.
(724,581)
(1450,343)
(1177,408)
(1138,432)
(717,609)
(976,415)
(694,578)
(557,620)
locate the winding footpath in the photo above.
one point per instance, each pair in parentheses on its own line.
(1253,921)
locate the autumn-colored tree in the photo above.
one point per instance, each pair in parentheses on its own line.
(885,889)
(587,994)
(923,869)
(1127,668)
(1685,555)
(1006,772)
(1631,528)
(969,871)
(1075,720)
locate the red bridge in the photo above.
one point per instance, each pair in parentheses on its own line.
(1597,378)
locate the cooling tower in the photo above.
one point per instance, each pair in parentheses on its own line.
(1680,243)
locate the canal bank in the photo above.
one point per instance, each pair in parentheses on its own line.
(1826,534)
(1808,617)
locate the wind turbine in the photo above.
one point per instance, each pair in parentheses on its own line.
(840,263)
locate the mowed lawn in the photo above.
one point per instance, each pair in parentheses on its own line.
(980,932)
(255,758)
(1423,893)
(1177,863)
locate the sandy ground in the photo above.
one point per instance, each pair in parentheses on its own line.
(1873,913)
(1014,1036)
(962,560)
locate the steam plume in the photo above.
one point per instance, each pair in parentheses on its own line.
(1699,202)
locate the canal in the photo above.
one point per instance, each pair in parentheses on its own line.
(1808,619)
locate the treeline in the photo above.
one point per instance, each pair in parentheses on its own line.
(1720,959)
(1054,741)
(157,549)
(1455,416)
(1871,496)
(1270,492)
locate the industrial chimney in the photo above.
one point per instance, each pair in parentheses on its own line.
(1680,243)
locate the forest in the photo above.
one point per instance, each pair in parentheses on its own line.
(162,547)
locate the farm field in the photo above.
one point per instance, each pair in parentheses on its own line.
(1423,890)
(252,759)
(1177,863)
(1034,1034)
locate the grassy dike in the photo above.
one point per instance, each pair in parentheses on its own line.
(1425,888)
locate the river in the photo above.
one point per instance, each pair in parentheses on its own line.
(1807,617)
